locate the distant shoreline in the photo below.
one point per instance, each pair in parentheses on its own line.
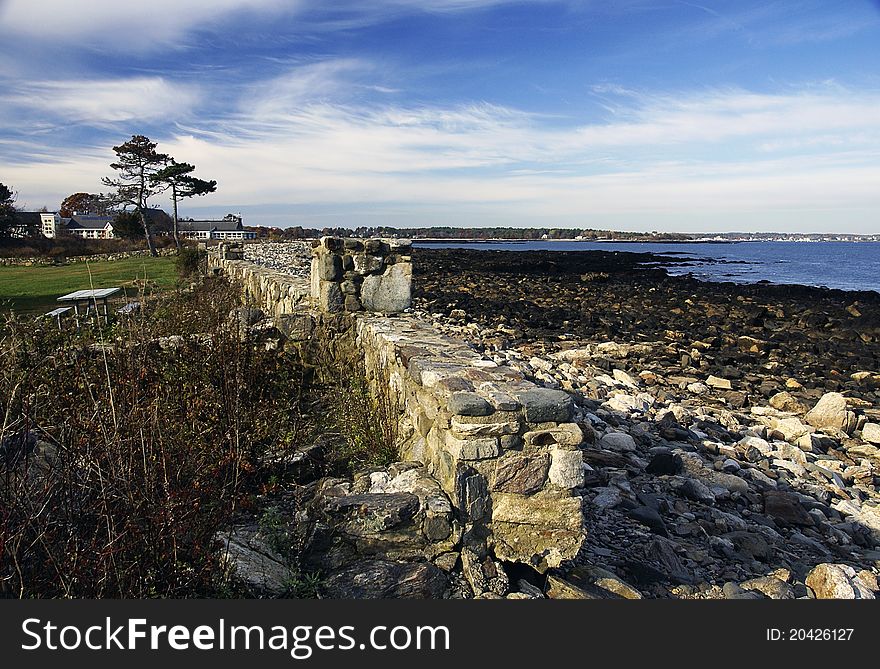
(459,240)
(432,240)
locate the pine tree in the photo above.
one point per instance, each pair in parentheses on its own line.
(137,162)
(178,176)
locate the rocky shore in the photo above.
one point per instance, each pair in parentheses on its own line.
(730,439)
(289,257)
(731,431)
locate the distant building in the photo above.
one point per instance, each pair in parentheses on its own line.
(47,223)
(226,228)
(89,226)
(93,226)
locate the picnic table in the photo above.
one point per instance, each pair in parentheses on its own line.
(91,296)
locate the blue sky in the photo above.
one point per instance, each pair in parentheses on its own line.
(630,114)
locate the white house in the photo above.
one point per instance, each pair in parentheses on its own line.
(50,223)
(227,228)
(89,226)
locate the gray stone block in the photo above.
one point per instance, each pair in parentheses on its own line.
(389,292)
(544,405)
(469,404)
(329,267)
(330,297)
(365,264)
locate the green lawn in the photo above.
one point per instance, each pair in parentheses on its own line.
(31,289)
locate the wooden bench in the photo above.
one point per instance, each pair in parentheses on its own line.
(58,313)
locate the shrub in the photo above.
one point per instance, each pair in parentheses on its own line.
(189,260)
(366,416)
(123,457)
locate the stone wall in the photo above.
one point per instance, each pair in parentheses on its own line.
(361,275)
(276,293)
(505,450)
(65,260)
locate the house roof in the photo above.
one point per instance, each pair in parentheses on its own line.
(98,222)
(89,222)
(28,217)
(209,226)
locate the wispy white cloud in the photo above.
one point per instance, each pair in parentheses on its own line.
(159,24)
(132,25)
(779,23)
(714,116)
(100,101)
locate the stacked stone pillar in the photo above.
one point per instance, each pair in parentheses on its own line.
(354,275)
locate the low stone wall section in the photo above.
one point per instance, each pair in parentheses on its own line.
(507,452)
(276,293)
(41,261)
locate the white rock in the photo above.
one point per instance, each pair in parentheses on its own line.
(718,382)
(837,581)
(831,412)
(871,433)
(755,442)
(624,378)
(566,468)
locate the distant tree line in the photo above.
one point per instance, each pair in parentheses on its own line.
(447,232)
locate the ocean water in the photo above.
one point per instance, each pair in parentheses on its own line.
(843,265)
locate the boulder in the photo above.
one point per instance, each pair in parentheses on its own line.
(329,297)
(831,412)
(521,474)
(871,433)
(837,581)
(328,266)
(787,508)
(566,468)
(483,574)
(559,588)
(542,405)
(261,569)
(719,383)
(389,292)
(469,404)
(770,586)
(384,579)
(541,530)
(785,401)
(618,441)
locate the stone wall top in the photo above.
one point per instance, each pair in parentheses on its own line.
(276,293)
